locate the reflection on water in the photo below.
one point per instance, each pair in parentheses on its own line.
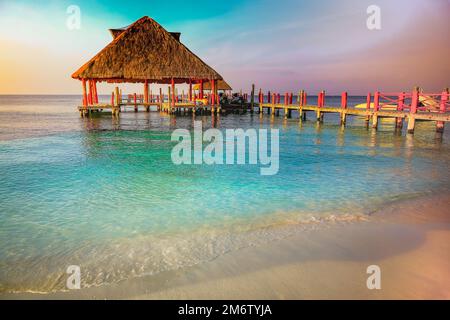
(102,192)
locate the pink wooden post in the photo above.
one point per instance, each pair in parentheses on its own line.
(172,82)
(201,90)
(290,98)
(213,88)
(286,98)
(376,101)
(320,99)
(344,106)
(414,101)
(344,100)
(94,86)
(401,101)
(444,99)
(305,100)
(442,109)
(412,111)
(83,83)
(400,105)
(369,97)
(90,92)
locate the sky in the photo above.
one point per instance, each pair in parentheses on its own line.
(280,45)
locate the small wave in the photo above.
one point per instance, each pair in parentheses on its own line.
(146,255)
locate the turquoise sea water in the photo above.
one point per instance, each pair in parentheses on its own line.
(103,193)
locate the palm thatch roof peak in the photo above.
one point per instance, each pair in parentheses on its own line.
(145,51)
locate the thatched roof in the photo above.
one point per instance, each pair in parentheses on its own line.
(221,85)
(145,51)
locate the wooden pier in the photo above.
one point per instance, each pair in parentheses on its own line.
(399,106)
(403,107)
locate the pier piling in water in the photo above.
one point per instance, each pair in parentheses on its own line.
(376,105)
(252,99)
(343,106)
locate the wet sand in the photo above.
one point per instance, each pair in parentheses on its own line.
(408,240)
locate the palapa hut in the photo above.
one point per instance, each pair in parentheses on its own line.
(145,52)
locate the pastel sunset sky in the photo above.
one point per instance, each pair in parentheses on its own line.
(278,45)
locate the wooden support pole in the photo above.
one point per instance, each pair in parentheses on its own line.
(344,97)
(200,94)
(272,109)
(261,109)
(96,92)
(116,93)
(190,90)
(414,101)
(169,95)
(411,123)
(376,101)
(92,92)
(172,82)
(135,102)
(320,103)
(442,109)
(413,111)
(368,101)
(300,104)
(117,97)
(85,99)
(252,99)
(400,105)
(213,93)
(146,91)
(89,97)
(376,106)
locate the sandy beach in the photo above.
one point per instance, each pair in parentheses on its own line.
(408,240)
